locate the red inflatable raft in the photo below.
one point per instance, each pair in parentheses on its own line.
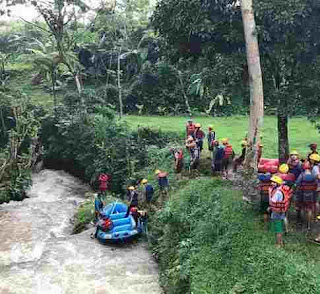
(267,165)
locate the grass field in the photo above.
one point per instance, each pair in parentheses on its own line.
(301,131)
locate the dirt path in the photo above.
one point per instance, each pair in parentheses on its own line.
(38,254)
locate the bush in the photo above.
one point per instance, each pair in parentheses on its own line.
(87,145)
(209,242)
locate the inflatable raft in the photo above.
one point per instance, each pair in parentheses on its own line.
(121,227)
(267,165)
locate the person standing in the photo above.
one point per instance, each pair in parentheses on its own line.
(132,198)
(148,190)
(163,182)
(239,160)
(98,205)
(279,201)
(199,136)
(306,194)
(104,180)
(211,136)
(227,159)
(190,127)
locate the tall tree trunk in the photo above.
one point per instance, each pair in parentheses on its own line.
(119,86)
(186,100)
(283,138)
(54,79)
(256,101)
(255,82)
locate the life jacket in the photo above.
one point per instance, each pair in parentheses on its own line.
(179,155)
(104,182)
(264,187)
(287,177)
(191,128)
(106,225)
(199,135)
(149,189)
(228,151)
(308,185)
(280,206)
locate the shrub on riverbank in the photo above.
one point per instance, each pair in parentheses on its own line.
(87,145)
(208,241)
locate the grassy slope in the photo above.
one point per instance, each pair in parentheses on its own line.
(21,76)
(211,242)
(301,131)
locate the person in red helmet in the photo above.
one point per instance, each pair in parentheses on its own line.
(313,150)
(104,180)
(190,127)
(199,136)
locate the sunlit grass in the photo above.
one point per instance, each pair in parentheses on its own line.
(301,131)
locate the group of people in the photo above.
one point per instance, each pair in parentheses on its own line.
(296,181)
(139,191)
(223,158)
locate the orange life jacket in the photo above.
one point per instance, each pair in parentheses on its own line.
(228,151)
(280,206)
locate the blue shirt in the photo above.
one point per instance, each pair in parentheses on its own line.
(219,153)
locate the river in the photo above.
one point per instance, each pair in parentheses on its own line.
(38,254)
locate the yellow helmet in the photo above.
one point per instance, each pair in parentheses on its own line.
(276,179)
(294,152)
(284,168)
(198,125)
(210,127)
(244,143)
(144,181)
(315,157)
(157,172)
(224,140)
(131,188)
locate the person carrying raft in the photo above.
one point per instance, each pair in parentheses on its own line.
(279,201)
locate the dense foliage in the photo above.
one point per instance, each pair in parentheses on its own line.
(19,121)
(87,145)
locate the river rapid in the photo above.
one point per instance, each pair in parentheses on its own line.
(38,254)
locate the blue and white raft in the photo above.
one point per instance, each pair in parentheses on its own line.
(121,227)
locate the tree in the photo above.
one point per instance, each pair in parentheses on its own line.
(57,18)
(255,82)
(288,42)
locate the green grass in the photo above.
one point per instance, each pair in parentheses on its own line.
(21,76)
(301,131)
(210,241)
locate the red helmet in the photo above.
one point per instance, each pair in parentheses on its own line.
(133,209)
(306,165)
